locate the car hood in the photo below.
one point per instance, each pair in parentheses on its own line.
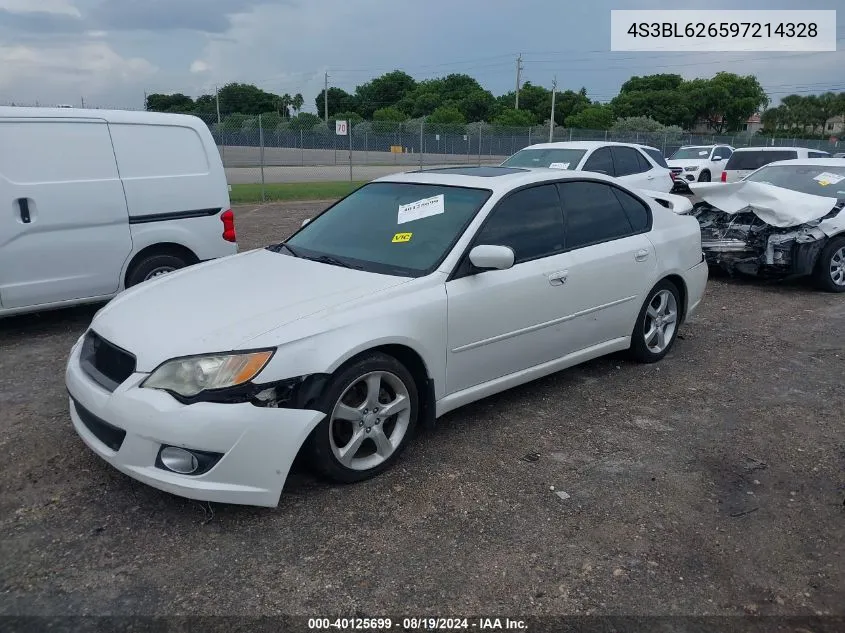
(776,206)
(223,304)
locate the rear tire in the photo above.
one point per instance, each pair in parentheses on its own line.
(371,406)
(152,266)
(657,324)
(830,269)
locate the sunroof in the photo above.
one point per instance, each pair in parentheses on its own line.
(482,172)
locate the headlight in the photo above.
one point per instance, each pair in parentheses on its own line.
(190,376)
(690,168)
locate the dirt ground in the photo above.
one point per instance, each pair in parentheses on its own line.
(710,483)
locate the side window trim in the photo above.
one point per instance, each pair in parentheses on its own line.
(462,267)
(615,187)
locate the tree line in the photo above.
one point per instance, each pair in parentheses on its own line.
(649,103)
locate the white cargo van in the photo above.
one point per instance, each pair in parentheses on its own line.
(95,201)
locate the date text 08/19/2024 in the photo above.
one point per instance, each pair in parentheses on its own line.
(416,624)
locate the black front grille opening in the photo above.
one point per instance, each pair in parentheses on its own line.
(106,363)
(109,435)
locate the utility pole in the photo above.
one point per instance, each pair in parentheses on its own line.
(217,99)
(326,100)
(519,69)
(552,119)
(83,102)
(145,99)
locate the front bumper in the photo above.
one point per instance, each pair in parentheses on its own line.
(258,445)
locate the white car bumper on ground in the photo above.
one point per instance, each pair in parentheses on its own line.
(256,446)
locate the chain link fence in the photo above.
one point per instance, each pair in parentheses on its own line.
(257,153)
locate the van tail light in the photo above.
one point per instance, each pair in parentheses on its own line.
(724,176)
(228,219)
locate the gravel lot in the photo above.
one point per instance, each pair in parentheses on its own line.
(710,483)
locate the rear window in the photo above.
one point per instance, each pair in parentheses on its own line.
(754,159)
(656,156)
(551,157)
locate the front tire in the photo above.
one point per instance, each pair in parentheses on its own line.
(371,406)
(830,269)
(657,324)
(704,177)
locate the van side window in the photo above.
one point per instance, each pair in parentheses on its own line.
(60,151)
(150,151)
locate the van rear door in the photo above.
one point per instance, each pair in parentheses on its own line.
(64,231)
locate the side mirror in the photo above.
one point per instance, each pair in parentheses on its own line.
(489,257)
(306,221)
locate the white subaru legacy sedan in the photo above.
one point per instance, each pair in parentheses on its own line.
(415,295)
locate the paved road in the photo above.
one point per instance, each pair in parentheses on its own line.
(708,483)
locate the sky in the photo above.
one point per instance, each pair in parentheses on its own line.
(109,53)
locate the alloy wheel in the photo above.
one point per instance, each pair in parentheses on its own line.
(661,320)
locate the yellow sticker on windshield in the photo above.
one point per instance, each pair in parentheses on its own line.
(823,183)
(402,237)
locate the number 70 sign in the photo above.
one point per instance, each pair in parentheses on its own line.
(341,128)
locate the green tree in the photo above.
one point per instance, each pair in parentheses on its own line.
(382,92)
(533,98)
(352,117)
(306,121)
(594,117)
(169,103)
(339,101)
(297,102)
(246,99)
(568,103)
(446,115)
(637,124)
(725,102)
(477,105)
(389,114)
(234,122)
(508,117)
(659,97)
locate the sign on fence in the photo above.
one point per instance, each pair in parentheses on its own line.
(341,128)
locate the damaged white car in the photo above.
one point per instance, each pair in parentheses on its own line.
(785,219)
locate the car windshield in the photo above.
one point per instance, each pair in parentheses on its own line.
(813,179)
(393,228)
(557,158)
(691,153)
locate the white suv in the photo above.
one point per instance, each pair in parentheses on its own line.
(748,159)
(699,163)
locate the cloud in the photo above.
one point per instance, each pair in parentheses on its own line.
(210,16)
(199,66)
(54,7)
(57,74)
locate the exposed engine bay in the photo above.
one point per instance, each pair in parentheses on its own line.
(742,242)
(758,229)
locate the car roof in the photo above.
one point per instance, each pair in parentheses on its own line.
(586,145)
(810,162)
(111,116)
(481,177)
(777,149)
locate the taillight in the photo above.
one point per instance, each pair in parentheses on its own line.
(228,219)
(724,176)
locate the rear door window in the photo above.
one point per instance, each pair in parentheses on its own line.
(625,161)
(656,156)
(754,159)
(600,161)
(592,214)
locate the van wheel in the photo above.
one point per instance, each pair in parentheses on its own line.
(153,266)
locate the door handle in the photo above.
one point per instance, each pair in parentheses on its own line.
(650,178)
(23,203)
(558,278)
(641,255)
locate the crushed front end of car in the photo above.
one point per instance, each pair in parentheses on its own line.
(767,234)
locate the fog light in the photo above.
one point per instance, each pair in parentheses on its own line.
(179,460)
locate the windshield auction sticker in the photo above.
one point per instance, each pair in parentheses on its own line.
(402,237)
(421,209)
(723,30)
(826,178)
